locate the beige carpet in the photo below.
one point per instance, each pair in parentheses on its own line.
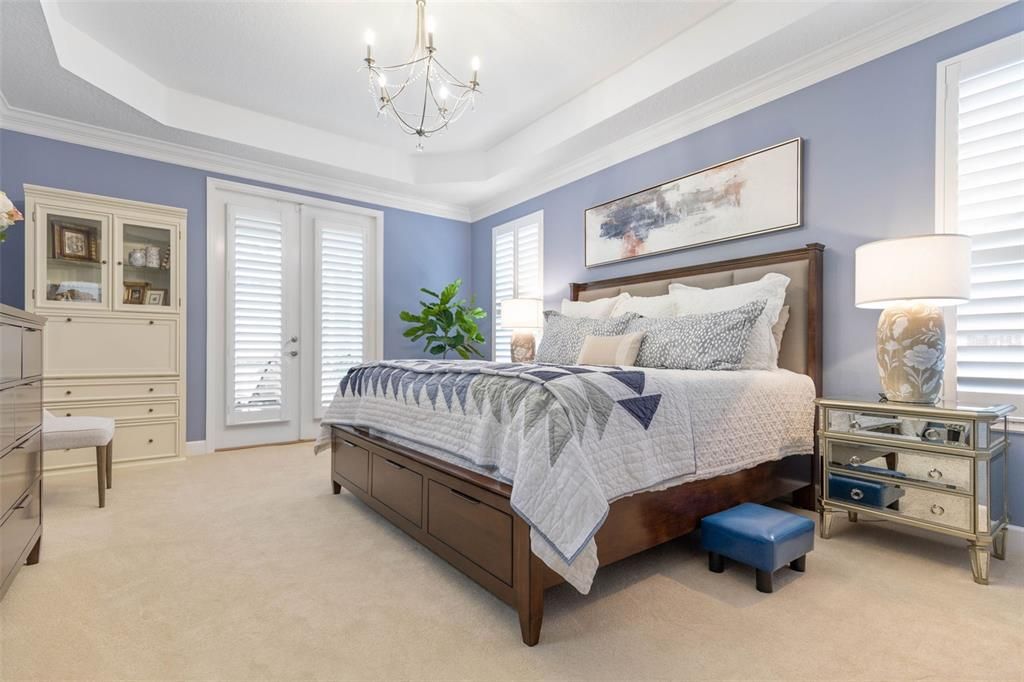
(243,565)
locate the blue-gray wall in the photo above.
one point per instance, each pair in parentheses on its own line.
(868,173)
(419,250)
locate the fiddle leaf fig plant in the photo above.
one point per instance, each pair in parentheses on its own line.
(446,325)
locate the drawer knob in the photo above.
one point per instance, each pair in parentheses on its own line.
(68,320)
(67,392)
(67,414)
(150,389)
(938,510)
(151,321)
(932,433)
(855,461)
(151,409)
(935,473)
(857,494)
(150,440)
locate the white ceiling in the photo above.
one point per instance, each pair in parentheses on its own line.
(568,87)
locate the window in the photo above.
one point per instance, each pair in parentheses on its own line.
(980,192)
(517,250)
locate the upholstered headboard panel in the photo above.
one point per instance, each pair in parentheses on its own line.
(801,344)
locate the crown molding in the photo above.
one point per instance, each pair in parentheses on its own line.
(913,25)
(64,130)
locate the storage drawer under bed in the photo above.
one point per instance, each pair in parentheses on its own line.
(472,528)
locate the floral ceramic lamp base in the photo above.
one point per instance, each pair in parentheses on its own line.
(911,352)
(523,347)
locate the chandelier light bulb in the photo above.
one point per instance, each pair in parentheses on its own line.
(431,24)
(382,80)
(443,94)
(370,38)
(475,64)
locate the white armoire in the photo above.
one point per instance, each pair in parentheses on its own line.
(109,276)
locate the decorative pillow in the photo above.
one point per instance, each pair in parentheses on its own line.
(701,341)
(564,336)
(762,352)
(611,350)
(779,328)
(599,309)
(648,306)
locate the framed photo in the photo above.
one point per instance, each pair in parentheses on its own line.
(754,193)
(135,292)
(156,296)
(74,243)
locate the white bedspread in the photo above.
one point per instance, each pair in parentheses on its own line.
(709,424)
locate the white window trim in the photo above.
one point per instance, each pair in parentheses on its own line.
(537,218)
(216,278)
(946,144)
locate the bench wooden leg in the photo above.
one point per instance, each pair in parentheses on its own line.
(110,465)
(33,556)
(716,562)
(764,581)
(101,473)
(336,487)
(529,585)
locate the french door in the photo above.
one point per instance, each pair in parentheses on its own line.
(297,306)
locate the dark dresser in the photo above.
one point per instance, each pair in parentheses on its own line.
(21,441)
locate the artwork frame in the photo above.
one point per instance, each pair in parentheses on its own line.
(135,293)
(156,296)
(700,208)
(74,243)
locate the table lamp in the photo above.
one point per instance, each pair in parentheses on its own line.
(522,315)
(911,279)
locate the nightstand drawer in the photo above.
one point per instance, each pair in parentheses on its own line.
(900,427)
(950,472)
(894,499)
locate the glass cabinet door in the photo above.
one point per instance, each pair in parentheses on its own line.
(145,265)
(73,251)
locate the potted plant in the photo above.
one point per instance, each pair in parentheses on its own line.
(445,324)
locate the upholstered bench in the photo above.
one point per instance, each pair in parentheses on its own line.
(758,536)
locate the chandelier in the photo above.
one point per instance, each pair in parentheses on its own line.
(420,94)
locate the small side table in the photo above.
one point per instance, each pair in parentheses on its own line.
(941,468)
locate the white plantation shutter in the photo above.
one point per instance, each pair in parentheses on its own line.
(985,175)
(255,315)
(342,303)
(518,268)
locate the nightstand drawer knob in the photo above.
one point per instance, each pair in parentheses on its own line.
(855,461)
(938,510)
(857,494)
(935,473)
(933,433)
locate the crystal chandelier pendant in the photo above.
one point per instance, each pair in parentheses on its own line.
(420,94)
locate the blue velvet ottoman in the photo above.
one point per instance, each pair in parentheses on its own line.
(758,536)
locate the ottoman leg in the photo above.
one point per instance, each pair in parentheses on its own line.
(799,565)
(852,516)
(716,562)
(764,581)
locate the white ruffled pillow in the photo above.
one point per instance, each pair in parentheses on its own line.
(762,350)
(648,306)
(599,309)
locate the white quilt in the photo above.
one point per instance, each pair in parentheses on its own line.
(571,440)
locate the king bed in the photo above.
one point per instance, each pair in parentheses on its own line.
(586,489)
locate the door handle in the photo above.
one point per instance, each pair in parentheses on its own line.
(294,339)
(293,353)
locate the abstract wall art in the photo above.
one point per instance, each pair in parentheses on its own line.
(757,192)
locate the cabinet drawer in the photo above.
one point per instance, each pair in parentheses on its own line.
(10,358)
(28,407)
(18,529)
(18,469)
(475,530)
(88,346)
(119,411)
(399,487)
(950,472)
(930,506)
(31,353)
(131,442)
(352,463)
(56,391)
(8,399)
(900,427)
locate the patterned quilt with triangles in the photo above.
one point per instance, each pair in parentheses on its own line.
(569,439)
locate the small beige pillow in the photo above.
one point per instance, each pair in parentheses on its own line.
(611,350)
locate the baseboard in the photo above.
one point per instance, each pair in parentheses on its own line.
(197,447)
(118,464)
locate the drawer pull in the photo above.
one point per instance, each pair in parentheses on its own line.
(67,414)
(463,496)
(151,409)
(393,465)
(855,461)
(150,389)
(857,494)
(150,440)
(68,320)
(348,444)
(25,501)
(151,321)
(938,510)
(67,392)
(935,473)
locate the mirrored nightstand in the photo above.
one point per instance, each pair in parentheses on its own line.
(939,468)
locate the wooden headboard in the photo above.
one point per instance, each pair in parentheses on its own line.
(801,344)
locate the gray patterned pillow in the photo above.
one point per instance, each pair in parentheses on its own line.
(564,336)
(700,341)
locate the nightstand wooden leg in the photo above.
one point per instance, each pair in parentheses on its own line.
(716,562)
(764,581)
(852,516)
(999,545)
(825,524)
(979,562)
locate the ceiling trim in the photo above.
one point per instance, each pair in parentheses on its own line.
(65,130)
(913,25)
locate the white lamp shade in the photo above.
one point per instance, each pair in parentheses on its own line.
(934,269)
(521,313)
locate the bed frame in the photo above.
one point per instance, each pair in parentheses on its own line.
(466,519)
